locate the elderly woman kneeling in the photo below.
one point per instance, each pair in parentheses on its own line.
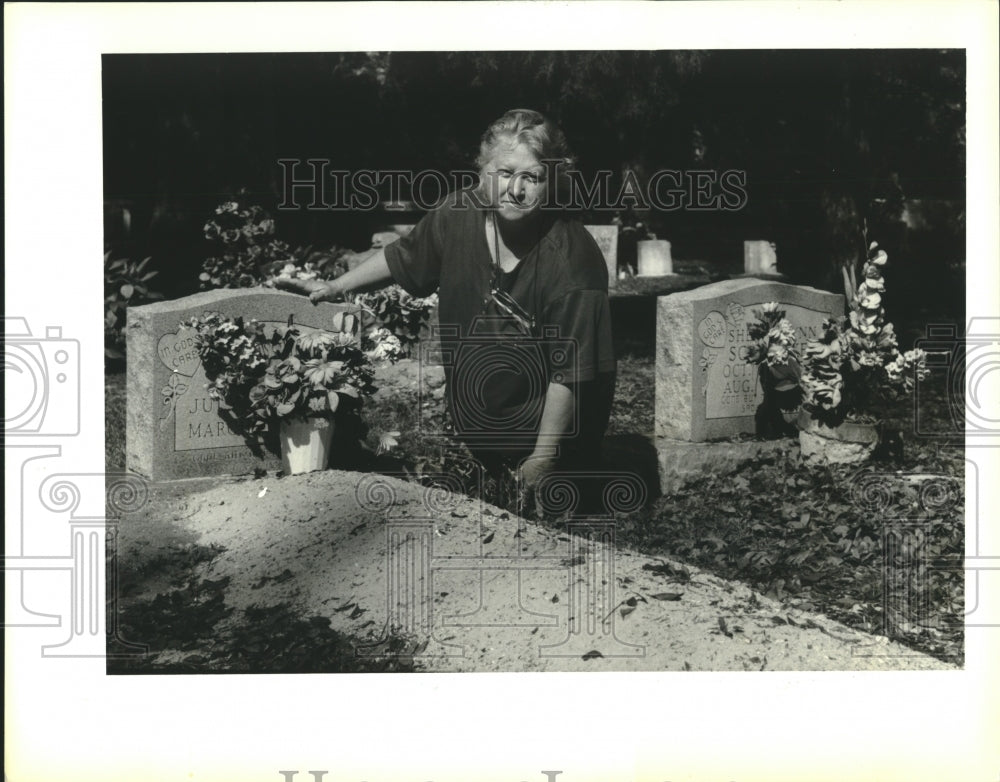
(525,325)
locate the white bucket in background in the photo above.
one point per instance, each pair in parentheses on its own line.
(654,258)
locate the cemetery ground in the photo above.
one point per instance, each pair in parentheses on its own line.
(781,566)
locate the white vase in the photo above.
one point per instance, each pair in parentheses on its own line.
(305,444)
(848,443)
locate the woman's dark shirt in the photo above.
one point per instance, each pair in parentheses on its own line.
(496,377)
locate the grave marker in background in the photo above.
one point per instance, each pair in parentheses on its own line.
(760,258)
(705,389)
(173,429)
(606,237)
(654,258)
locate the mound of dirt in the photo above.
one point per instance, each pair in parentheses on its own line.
(475,588)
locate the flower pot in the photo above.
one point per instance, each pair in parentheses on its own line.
(305,444)
(846,443)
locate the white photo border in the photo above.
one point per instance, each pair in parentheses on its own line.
(67,720)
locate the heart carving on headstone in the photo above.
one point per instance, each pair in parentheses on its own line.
(712,330)
(179,352)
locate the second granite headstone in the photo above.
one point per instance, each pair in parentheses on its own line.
(705,388)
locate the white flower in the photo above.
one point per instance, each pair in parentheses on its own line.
(386,345)
(894,369)
(777,354)
(869,359)
(784,332)
(916,361)
(869,300)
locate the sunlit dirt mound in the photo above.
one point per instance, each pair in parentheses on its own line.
(470,587)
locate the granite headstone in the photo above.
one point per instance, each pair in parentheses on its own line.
(173,428)
(606,237)
(705,388)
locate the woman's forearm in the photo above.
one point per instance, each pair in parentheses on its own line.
(557,419)
(373,273)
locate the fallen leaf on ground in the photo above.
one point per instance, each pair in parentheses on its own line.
(667,596)
(675,572)
(593,653)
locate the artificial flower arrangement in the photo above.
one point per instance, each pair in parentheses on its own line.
(390,310)
(394,309)
(261,376)
(855,366)
(248,254)
(310,373)
(773,346)
(773,350)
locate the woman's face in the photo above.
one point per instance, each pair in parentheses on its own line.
(515,181)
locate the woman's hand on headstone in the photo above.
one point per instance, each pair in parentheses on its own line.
(316,290)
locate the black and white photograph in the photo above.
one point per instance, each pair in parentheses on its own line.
(634,379)
(563,363)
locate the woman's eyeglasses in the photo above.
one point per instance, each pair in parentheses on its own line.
(506,303)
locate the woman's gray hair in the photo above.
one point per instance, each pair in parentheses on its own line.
(524,126)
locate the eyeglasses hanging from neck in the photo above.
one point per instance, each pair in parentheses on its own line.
(506,303)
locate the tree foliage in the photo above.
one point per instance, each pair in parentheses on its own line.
(827,137)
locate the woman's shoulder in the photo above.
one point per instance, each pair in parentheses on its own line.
(577,261)
(455,211)
(463,201)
